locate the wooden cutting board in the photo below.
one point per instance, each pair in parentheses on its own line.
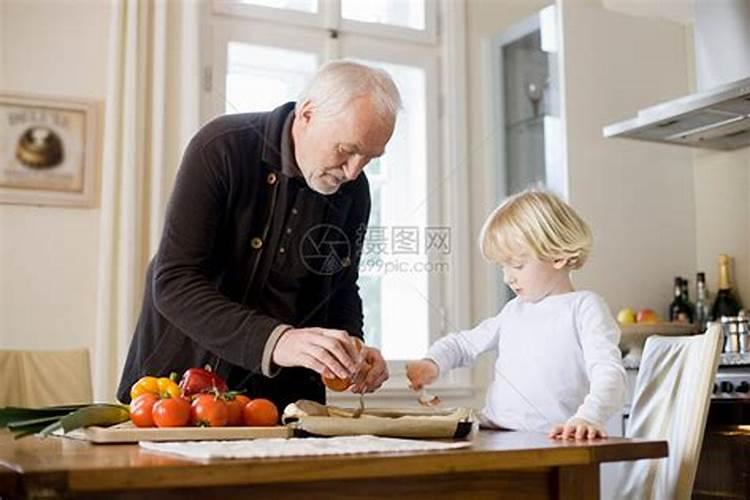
(128,433)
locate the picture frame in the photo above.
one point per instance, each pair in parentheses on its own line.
(48,150)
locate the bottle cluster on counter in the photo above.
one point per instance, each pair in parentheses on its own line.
(725,305)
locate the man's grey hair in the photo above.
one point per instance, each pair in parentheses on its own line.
(337,83)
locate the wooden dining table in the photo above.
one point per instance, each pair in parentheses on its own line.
(499,464)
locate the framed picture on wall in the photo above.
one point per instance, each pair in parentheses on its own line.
(48,150)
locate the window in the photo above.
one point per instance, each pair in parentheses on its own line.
(300,5)
(399,185)
(274,47)
(275,75)
(407,13)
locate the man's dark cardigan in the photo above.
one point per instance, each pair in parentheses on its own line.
(206,287)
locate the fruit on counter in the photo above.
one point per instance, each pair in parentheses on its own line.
(208,410)
(160,386)
(235,406)
(27,421)
(626,316)
(341,384)
(171,412)
(647,316)
(261,413)
(141,410)
(198,380)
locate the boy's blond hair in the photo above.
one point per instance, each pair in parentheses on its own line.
(538,223)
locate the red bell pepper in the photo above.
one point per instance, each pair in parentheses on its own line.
(198,380)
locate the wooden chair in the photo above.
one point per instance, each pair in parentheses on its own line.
(45,378)
(672,395)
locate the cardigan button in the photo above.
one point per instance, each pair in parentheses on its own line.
(271,178)
(256,243)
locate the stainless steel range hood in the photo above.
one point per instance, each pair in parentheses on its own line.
(718,115)
(715,119)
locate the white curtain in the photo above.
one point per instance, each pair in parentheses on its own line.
(151,110)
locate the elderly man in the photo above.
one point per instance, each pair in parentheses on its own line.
(256,273)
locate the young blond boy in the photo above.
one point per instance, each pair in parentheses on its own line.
(558,367)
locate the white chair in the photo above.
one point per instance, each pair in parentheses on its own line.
(44,378)
(672,395)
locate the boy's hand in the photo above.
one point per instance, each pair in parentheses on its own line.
(577,428)
(421,373)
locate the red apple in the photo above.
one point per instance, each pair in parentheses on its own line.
(647,316)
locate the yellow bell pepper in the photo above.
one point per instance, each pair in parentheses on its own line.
(163,387)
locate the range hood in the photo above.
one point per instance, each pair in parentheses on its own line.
(715,119)
(718,115)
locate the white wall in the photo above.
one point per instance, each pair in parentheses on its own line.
(638,197)
(48,255)
(722,201)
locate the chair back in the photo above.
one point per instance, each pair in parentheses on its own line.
(45,378)
(672,395)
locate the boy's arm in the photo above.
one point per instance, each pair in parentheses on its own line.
(600,336)
(463,347)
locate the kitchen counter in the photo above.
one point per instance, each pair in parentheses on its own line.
(517,464)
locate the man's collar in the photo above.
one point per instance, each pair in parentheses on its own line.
(278,147)
(289,165)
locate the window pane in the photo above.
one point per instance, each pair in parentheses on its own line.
(260,78)
(526,102)
(407,13)
(301,5)
(394,274)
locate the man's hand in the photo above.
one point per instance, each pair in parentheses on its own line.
(577,428)
(421,373)
(374,371)
(328,352)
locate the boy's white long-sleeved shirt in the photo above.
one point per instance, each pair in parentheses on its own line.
(556,359)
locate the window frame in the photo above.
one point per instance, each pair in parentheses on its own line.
(282,16)
(329,17)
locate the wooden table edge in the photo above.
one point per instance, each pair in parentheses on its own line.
(234,472)
(634,450)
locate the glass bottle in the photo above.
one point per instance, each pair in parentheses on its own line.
(678,310)
(725,304)
(701,302)
(686,299)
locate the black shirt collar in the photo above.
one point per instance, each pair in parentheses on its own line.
(289,165)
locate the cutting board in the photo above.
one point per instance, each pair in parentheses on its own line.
(128,433)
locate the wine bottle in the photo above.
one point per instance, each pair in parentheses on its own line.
(686,299)
(725,304)
(678,310)
(701,302)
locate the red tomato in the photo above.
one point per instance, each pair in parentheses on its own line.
(141,408)
(208,410)
(171,412)
(235,407)
(261,413)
